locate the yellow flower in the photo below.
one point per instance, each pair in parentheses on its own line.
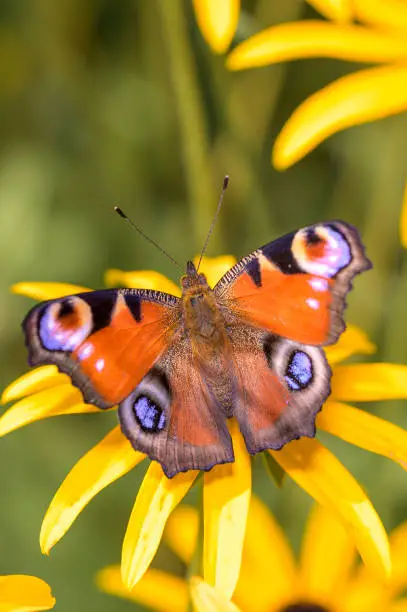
(44,392)
(324,579)
(217,21)
(360,97)
(271,580)
(21,593)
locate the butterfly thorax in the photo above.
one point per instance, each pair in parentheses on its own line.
(203,320)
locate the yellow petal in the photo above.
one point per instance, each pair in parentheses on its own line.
(47,291)
(217,21)
(215,267)
(390,14)
(181,532)
(364,592)
(21,593)
(227,490)
(398,606)
(314,468)
(352,342)
(327,554)
(403,219)
(143,279)
(156,499)
(398,544)
(154,591)
(62,399)
(305,39)
(207,599)
(366,382)
(266,554)
(35,380)
(103,464)
(337,10)
(398,579)
(360,97)
(362,596)
(364,430)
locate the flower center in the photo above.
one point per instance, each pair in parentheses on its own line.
(304,607)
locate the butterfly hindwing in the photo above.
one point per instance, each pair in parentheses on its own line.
(105,340)
(280,387)
(295,287)
(174,416)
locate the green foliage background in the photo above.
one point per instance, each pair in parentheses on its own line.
(105,102)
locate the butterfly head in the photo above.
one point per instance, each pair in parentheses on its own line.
(192,281)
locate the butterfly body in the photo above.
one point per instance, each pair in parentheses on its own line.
(203,320)
(250,348)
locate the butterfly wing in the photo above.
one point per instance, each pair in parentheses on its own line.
(295,287)
(174,417)
(280,386)
(283,302)
(105,340)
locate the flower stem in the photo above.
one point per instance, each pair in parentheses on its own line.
(194,144)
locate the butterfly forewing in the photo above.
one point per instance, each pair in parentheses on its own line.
(295,287)
(105,340)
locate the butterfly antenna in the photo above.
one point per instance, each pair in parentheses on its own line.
(215,216)
(140,231)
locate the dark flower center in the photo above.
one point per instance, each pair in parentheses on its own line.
(304,607)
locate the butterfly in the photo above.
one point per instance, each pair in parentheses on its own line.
(180,367)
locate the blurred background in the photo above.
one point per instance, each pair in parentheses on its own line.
(104,103)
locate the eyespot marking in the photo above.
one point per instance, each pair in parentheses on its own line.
(65,324)
(299,371)
(321,250)
(150,417)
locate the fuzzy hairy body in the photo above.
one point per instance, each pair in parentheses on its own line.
(205,329)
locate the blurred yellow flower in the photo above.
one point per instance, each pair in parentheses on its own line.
(217,22)
(44,392)
(360,97)
(324,579)
(20,593)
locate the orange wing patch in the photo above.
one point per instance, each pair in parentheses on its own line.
(117,357)
(296,286)
(294,306)
(105,340)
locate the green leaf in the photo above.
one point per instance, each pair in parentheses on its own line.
(274,470)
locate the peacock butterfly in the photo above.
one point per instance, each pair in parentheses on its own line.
(180,367)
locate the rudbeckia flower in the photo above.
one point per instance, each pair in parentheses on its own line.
(217,22)
(44,392)
(22,593)
(380,37)
(324,579)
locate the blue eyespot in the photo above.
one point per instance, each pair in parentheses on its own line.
(65,324)
(150,417)
(299,371)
